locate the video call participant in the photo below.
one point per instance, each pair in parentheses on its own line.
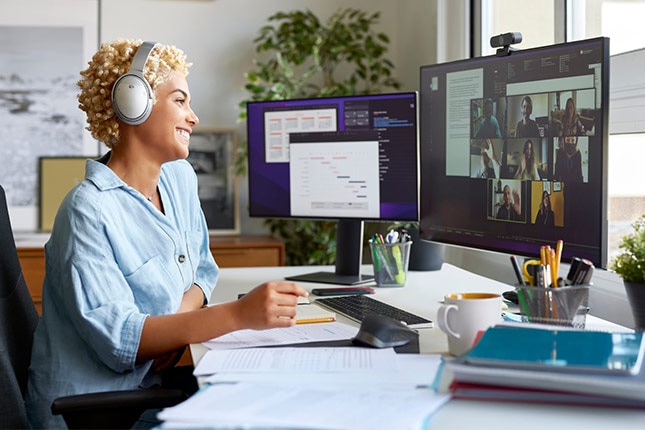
(489,165)
(527,169)
(510,210)
(129,269)
(489,126)
(527,127)
(568,160)
(545,215)
(571,124)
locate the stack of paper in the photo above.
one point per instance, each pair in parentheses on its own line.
(311,388)
(523,363)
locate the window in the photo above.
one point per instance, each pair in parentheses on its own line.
(617,20)
(534,19)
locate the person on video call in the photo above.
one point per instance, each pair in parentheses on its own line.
(129,269)
(528,165)
(510,209)
(545,215)
(527,127)
(488,127)
(490,166)
(571,124)
(568,160)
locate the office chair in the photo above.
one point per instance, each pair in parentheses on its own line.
(18,319)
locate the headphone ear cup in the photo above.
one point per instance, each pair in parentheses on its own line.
(132,99)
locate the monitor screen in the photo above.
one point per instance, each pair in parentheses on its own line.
(349,158)
(514,151)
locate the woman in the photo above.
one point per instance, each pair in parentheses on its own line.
(545,215)
(528,165)
(129,268)
(571,125)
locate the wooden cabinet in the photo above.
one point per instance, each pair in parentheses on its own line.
(32,261)
(229,251)
(247,251)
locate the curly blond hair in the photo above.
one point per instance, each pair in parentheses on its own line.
(111,61)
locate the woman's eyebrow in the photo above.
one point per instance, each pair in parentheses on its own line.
(179,90)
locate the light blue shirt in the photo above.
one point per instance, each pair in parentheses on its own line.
(112,260)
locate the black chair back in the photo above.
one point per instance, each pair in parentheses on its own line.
(18,319)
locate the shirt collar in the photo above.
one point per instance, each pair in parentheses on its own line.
(97,172)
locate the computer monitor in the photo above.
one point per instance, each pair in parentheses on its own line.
(504,165)
(349,158)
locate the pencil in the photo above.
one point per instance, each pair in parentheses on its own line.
(316,320)
(558,255)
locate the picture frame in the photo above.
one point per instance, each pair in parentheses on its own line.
(211,155)
(56,177)
(38,97)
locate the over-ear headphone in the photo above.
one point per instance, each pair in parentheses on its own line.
(132,96)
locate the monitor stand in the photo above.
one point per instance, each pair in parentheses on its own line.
(349,257)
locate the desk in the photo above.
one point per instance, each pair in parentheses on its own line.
(422,296)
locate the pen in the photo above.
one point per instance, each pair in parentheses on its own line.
(516,268)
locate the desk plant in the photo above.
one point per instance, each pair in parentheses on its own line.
(629,264)
(299,56)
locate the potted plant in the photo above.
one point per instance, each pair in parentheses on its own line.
(630,266)
(300,56)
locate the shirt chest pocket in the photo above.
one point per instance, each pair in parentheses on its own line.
(156,287)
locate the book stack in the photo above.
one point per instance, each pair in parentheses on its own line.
(552,365)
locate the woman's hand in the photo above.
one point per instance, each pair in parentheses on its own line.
(269,305)
(193,299)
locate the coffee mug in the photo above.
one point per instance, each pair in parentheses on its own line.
(464,315)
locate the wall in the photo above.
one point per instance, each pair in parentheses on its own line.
(217,37)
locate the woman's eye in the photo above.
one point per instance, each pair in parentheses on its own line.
(181,101)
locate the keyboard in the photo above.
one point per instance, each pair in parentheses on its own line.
(356,307)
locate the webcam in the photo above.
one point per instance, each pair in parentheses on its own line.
(505,39)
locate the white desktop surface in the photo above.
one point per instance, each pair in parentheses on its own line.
(422,295)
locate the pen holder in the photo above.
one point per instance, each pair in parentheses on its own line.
(563,306)
(390,261)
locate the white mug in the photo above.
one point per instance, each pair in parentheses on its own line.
(464,315)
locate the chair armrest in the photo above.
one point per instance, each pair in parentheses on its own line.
(113,409)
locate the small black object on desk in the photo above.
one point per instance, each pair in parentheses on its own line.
(511,296)
(380,331)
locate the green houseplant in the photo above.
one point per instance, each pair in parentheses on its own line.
(629,264)
(300,56)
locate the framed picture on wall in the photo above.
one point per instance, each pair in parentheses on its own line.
(211,155)
(41,55)
(56,177)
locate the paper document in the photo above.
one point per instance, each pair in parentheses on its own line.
(300,333)
(315,359)
(246,405)
(415,370)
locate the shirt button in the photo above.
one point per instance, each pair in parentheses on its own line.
(182,258)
